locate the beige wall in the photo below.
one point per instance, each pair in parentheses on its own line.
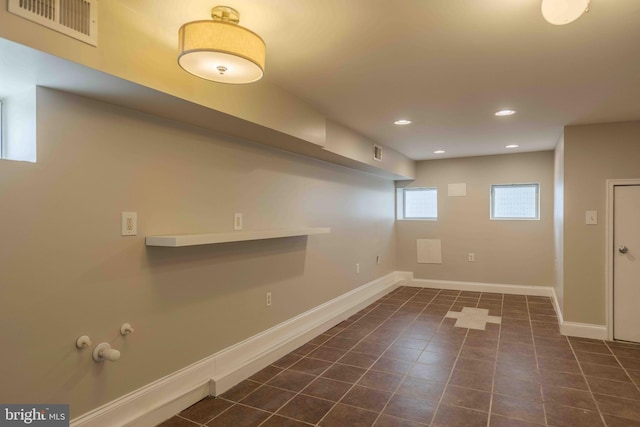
(509,252)
(66,271)
(592,154)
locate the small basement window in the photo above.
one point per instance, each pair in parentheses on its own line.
(18,125)
(417,203)
(515,201)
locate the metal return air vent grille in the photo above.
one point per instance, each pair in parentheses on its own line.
(44,8)
(75,18)
(377,153)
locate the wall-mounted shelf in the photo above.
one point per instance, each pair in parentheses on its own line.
(180,240)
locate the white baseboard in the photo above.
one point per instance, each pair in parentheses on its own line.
(584,330)
(557,308)
(543,291)
(217,373)
(580,330)
(573,329)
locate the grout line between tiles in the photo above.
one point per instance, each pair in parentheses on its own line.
(446,385)
(622,366)
(406,375)
(535,354)
(212,418)
(495,366)
(191,421)
(587,382)
(369,368)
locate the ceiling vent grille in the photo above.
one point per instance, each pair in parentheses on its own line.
(377,153)
(75,18)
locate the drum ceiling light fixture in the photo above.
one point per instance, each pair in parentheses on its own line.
(561,12)
(221,50)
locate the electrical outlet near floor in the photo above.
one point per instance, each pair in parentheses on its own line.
(472,257)
(357,268)
(268,300)
(237,222)
(378,259)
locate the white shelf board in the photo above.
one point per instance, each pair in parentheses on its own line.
(179,240)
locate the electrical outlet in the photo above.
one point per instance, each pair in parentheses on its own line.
(357,268)
(268,299)
(472,257)
(378,259)
(129,223)
(237,222)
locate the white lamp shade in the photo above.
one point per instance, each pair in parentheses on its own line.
(221,51)
(561,12)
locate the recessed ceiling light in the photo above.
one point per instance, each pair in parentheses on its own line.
(503,113)
(439,152)
(512,146)
(402,122)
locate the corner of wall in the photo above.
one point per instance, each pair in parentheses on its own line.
(558,223)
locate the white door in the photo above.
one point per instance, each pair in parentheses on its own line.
(626,263)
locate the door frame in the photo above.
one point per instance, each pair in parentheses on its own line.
(609,248)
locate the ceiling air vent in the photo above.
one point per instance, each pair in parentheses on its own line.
(377,153)
(75,18)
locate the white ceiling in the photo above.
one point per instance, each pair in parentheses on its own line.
(447,65)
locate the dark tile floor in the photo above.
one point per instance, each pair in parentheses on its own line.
(400,362)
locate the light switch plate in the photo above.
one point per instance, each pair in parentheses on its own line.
(591,218)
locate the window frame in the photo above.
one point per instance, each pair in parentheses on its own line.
(401,204)
(492,217)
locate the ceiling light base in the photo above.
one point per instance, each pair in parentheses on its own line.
(225,14)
